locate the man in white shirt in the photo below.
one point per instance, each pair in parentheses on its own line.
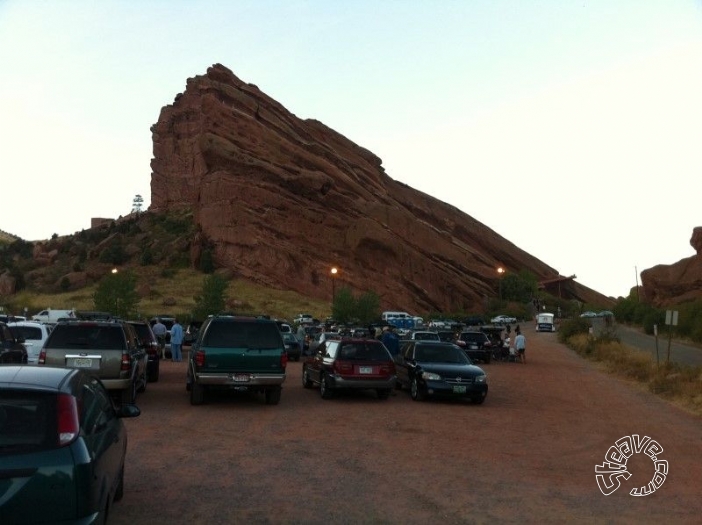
(520,345)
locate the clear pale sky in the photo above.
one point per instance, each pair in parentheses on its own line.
(571,128)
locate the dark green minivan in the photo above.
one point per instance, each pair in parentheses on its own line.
(62,446)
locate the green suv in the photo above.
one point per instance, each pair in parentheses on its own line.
(240,353)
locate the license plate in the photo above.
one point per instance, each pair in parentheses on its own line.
(365,369)
(459,389)
(82,362)
(240,378)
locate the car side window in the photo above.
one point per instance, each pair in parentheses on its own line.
(6,333)
(97,409)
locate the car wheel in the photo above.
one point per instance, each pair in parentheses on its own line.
(415,392)
(129,393)
(144,380)
(384,393)
(273,396)
(478,400)
(324,389)
(487,359)
(197,394)
(119,492)
(306,381)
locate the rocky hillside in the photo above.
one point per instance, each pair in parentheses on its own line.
(281,201)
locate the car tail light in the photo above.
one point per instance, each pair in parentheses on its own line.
(42,357)
(68,427)
(200,358)
(126,362)
(343,367)
(283,360)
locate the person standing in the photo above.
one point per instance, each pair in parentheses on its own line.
(159,329)
(176,341)
(391,341)
(520,346)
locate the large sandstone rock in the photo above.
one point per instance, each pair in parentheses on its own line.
(282,200)
(666,285)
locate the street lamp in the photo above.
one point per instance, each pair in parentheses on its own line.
(501,271)
(334,271)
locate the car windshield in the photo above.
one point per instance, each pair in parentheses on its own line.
(441,354)
(243,334)
(28,332)
(363,352)
(26,421)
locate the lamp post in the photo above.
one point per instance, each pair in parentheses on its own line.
(334,271)
(501,272)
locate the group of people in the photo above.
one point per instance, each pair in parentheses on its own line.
(160,331)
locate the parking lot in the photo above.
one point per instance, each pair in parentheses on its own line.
(527,454)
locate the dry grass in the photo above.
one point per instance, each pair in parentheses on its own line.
(678,384)
(174,292)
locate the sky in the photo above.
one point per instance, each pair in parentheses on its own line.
(571,128)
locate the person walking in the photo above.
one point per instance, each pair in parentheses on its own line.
(176,341)
(520,346)
(159,329)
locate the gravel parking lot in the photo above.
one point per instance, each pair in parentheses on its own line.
(528,454)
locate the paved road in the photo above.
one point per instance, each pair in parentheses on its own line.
(683,354)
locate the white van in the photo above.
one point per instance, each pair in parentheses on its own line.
(53,316)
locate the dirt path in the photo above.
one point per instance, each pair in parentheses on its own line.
(528,454)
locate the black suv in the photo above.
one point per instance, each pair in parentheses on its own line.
(109,350)
(476,344)
(12,349)
(148,339)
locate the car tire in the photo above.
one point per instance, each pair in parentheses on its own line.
(415,392)
(384,393)
(143,382)
(129,393)
(153,377)
(197,394)
(478,400)
(324,389)
(119,491)
(273,396)
(306,381)
(487,359)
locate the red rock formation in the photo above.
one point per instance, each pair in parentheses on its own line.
(283,200)
(666,285)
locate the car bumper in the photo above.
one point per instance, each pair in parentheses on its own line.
(240,379)
(441,388)
(382,384)
(480,355)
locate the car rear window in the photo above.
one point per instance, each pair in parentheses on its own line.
(243,334)
(27,420)
(97,337)
(440,354)
(28,332)
(363,352)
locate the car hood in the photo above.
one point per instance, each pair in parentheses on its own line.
(451,369)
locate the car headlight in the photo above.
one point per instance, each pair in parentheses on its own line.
(481,379)
(430,376)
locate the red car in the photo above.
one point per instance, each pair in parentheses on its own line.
(345,364)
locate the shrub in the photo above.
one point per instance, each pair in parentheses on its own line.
(572,327)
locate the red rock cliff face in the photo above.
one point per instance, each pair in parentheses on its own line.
(283,200)
(667,285)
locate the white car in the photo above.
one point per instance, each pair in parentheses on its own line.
(503,319)
(34,334)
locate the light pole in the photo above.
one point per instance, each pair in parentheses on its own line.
(501,272)
(334,271)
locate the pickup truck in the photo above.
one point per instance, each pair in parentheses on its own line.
(240,353)
(108,350)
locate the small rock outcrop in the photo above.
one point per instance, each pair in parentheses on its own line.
(280,201)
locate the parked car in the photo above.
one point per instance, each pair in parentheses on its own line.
(431,368)
(425,335)
(12,349)
(293,346)
(153,354)
(240,353)
(588,314)
(320,338)
(344,364)
(478,345)
(503,319)
(62,446)
(109,350)
(34,334)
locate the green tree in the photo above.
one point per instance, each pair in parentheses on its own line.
(519,287)
(117,294)
(368,308)
(212,300)
(344,306)
(207,261)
